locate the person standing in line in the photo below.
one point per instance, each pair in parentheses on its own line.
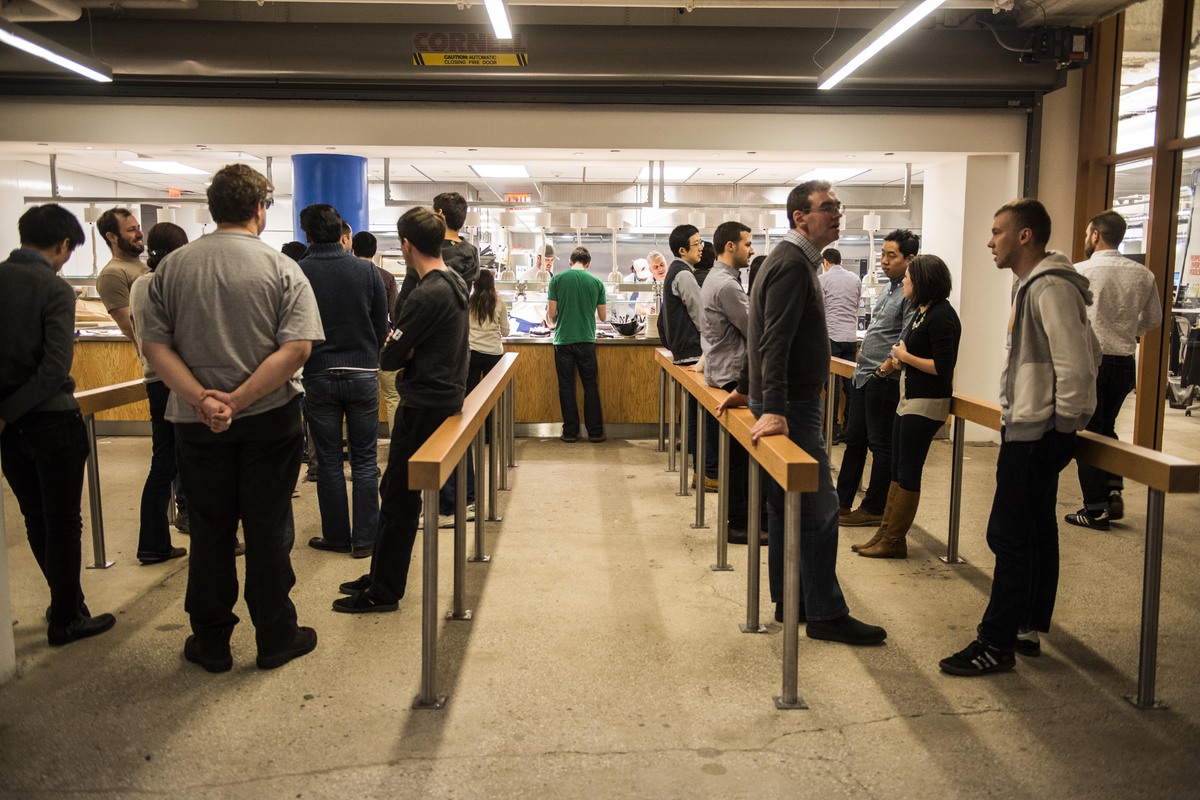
(228,326)
(123,234)
(1126,305)
(365,246)
(429,348)
(576,299)
(154,532)
(725,317)
(457,253)
(43,441)
(1047,393)
(874,393)
(341,383)
(925,357)
(786,368)
(841,289)
(489,326)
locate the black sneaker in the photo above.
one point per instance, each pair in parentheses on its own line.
(569,439)
(321,543)
(362,603)
(182,521)
(977,659)
(304,643)
(1087,519)
(1029,644)
(1116,506)
(212,654)
(356,585)
(158,558)
(598,439)
(779,612)
(845,629)
(737,535)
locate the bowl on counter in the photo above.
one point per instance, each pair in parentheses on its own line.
(627,327)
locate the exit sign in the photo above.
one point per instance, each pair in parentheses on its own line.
(516,198)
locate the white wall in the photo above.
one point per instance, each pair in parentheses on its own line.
(1059,161)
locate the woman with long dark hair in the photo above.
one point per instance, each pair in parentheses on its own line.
(489,324)
(926,352)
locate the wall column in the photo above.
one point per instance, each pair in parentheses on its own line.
(337,180)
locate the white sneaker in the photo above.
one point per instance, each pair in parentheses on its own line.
(445,520)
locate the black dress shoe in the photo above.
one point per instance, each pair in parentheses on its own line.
(356,585)
(569,439)
(304,642)
(158,558)
(737,535)
(362,603)
(80,628)
(598,439)
(321,543)
(779,613)
(212,654)
(847,630)
(362,550)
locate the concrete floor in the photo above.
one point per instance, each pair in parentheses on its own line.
(605,660)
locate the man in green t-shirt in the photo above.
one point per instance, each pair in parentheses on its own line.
(576,299)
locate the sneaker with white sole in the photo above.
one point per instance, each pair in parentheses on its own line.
(1087,519)
(1029,644)
(1116,506)
(977,658)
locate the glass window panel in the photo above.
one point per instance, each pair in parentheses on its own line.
(1188,288)
(1139,77)
(1191,112)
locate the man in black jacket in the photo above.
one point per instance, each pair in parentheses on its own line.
(787,366)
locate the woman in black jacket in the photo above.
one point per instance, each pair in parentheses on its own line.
(926,352)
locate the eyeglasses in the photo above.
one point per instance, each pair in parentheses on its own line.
(266,204)
(828,208)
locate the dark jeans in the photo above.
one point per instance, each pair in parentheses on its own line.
(154,537)
(911,436)
(43,455)
(870,410)
(330,397)
(712,429)
(1023,533)
(582,357)
(400,507)
(247,473)
(480,364)
(848,351)
(819,588)
(1114,381)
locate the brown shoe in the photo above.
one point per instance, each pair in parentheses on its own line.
(860,518)
(883,527)
(304,642)
(894,544)
(211,653)
(710,484)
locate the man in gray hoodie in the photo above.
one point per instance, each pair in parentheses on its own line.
(1047,393)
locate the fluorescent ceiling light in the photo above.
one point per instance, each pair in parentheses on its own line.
(831,174)
(165,167)
(500,170)
(673,173)
(55,53)
(499,17)
(884,34)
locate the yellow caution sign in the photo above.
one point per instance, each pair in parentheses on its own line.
(470,60)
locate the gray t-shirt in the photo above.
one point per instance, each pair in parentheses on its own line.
(224,303)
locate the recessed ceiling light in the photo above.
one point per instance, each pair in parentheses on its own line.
(831,174)
(576,154)
(165,167)
(441,152)
(614,151)
(851,156)
(500,170)
(472,149)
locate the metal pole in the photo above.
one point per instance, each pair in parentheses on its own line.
(100,561)
(956,481)
(701,472)
(672,391)
(683,448)
(459,611)
(510,419)
(790,697)
(480,449)
(830,411)
(662,409)
(753,562)
(429,698)
(1151,594)
(722,564)
(502,442)
(493,468)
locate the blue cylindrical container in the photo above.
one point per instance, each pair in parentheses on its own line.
(338,180)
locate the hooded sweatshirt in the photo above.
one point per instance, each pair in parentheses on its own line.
(1049,377)
(460,256)
(429,343)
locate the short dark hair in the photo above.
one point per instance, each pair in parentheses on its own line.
(680,238)
(48,225)
(799,198)
(832,255)
(110,222)
(708,256)
(236,192)
(1111,227)
(581,255)
(161,240)
(728,232)
(294,250)
(930,278)
(1029,213)
(908,242)
(453,207)
(423,229)
(364,244)
(321,222)
(346,228)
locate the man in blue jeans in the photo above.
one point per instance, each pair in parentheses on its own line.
(341,381)
(787,366)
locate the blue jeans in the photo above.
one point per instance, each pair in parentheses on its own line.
(330,397)
(819,588)
(848,351)
(154,536)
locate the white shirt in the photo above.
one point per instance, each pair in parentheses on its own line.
(1125,302)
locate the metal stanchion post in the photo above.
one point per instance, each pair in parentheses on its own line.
(683,449)
(701,473)
(722,564)
(100,560)
(790,697)
(510,424)
(753,558)
(1151,594)
(429,698)
(480,448)
(956,481)
(672,445)
(460,541)
(830,411)
(662,409)
(493,468)
(502,453)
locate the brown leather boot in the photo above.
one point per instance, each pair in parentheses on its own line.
(883,526)
(893,544)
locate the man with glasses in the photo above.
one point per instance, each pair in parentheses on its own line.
(229,324)
(786,369)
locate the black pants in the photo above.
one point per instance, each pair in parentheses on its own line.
(247,473)
(480,364)
(399,506)
(1023,533)
(911,436)
(1114,381)
(154,536)
(44,453)
(582,357)
(870,411)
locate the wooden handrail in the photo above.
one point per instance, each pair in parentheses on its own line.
(840,366)
(972,409)
(784,460)
(432,464)
(93,401)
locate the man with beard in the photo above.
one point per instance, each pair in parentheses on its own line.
(123,234)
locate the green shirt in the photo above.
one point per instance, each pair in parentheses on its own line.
(577,293)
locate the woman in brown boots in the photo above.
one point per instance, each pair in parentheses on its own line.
(927,353)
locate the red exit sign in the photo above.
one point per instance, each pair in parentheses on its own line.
(512,197)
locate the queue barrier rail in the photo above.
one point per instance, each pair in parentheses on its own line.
(785,461)
(446,451)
